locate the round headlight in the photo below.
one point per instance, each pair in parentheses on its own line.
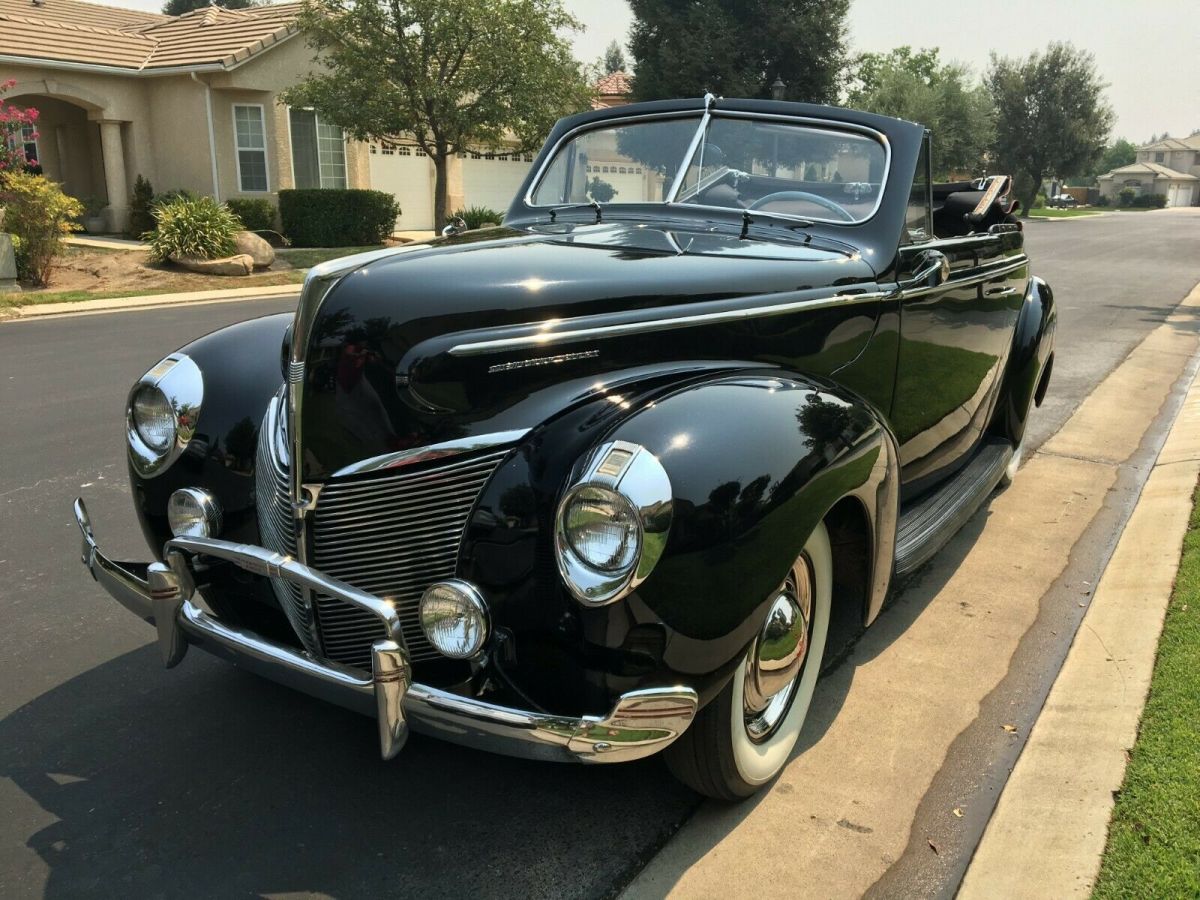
(454,618)
(192,512)
(153,418)
(602,528)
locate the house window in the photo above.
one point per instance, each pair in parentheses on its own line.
(250,139)
(26,142)
(319,151)
(1158,157)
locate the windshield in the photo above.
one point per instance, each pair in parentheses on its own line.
(809,172)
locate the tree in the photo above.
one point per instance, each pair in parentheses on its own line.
(1119,153)
(918,87)
(613,59)
(451,73)
(738,48)
(17,127)
(1052,117)
(179,7)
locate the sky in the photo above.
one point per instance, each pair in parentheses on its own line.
(1149,54)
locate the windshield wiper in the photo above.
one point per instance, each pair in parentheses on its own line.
(591,203)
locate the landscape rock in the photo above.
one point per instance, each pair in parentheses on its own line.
(250,244)
(241,264)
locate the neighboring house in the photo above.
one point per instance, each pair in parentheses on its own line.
(1170,167)
(192,101)
(613,89)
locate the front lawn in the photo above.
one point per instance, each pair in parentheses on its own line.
(96,273)
(1045,212)
(1154,838)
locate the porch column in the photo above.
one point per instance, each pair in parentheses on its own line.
(117,214)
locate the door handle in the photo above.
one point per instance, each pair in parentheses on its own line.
(932,270)
(1001,292)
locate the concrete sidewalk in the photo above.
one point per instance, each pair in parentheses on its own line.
(149,301)
(944,680)
(1059,797)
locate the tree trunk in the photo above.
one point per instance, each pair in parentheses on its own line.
(1028,200)
(441,191)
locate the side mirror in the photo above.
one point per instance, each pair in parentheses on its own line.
(455,226)
(931,269)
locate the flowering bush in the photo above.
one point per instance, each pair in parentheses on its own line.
(40,215)
(13,122)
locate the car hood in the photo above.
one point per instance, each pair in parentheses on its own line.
(385,367)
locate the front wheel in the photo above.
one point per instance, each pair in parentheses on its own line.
(742,739)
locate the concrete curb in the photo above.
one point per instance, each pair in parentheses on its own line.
(149,301)
(1059,797)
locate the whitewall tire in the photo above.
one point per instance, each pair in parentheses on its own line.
(733,748)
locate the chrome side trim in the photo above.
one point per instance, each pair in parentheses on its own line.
(996,271)
(181,380)
(545,337)
(641,723)
(432,451)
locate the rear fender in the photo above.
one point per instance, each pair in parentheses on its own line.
(1029,361)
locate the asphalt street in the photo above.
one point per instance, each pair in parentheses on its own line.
(117,777)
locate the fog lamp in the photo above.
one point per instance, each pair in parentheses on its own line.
(454,618)
(192,512)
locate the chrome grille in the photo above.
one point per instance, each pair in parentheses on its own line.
(390,533)
(393,535)
(276,524)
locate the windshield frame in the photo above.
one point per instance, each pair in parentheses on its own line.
(705,116)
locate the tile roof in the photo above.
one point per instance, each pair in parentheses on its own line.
(1187,143)
(1151,169)
(615,84)
(72,31)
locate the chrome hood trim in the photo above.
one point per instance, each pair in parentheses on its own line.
(432,451)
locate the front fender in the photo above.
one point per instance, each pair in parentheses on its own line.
(755,461)
(240,366)
(1033,347)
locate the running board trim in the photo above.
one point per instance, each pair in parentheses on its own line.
(926,527)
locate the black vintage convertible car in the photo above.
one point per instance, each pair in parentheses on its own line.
(592,485)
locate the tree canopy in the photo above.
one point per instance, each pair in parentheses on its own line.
(179,7)
(944,97)
(738,48)
(613,59)
(1119,153)
(453,74)
(1052,117)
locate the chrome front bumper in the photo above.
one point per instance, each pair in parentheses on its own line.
(642,722)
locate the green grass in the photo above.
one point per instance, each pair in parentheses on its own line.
(307,257)
(1045,212)
(1154,840)
(36,298)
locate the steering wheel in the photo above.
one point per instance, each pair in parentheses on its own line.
(817,199)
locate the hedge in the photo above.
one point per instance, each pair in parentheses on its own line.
(336,217)
(256,213)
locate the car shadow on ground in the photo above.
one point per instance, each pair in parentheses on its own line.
(206,781)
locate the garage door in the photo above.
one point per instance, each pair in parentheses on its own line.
(493,182)
(399,170)
(1180,195)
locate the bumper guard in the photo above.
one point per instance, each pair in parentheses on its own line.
(164,595)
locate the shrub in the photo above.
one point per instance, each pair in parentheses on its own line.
(1126,197)
(256,213)
(337,217)
(201,228)
(1156,201)
(600,190)
(21,258)
(40,215)
(478,216)
(1102,201)
(141,204)
(173,195)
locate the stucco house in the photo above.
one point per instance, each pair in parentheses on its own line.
(1170,167)
(192,101)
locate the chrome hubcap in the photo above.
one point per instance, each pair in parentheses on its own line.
(778,654)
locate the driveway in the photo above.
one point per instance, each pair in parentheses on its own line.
(118,777)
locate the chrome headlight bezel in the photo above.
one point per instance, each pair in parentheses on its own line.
(205,508)
(180,381)
(634,474)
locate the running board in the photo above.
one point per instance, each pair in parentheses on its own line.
(926,527)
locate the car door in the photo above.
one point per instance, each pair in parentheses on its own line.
(959,299)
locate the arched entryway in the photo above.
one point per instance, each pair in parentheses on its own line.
(79,145)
